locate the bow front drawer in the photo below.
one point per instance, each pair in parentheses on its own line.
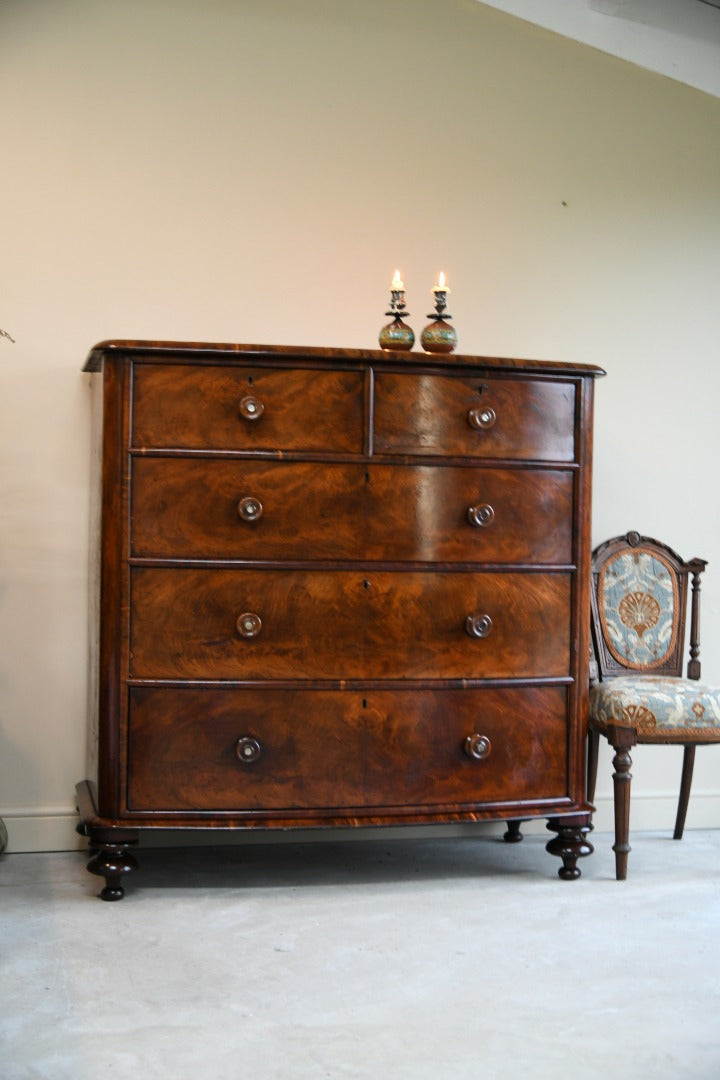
(225,509)
(268,750)
(255,624)
(247,408)
(475,417)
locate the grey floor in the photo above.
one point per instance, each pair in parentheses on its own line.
(410,959)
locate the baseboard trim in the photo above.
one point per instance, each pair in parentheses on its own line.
(53,828)
(42,829)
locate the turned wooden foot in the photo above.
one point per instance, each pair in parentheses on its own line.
(570,843)
(513,834)
(111,861)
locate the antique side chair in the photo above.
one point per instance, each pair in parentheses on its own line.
(638,694)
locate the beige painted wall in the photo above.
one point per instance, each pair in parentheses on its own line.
(254,171)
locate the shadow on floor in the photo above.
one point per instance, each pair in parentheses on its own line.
(332,863)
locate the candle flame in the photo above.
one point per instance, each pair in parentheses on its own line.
(441,280)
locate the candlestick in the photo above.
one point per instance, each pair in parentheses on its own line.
(439,336)
(397,336)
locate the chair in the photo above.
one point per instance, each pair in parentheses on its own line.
(638,695)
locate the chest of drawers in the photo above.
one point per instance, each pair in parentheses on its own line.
(336,588)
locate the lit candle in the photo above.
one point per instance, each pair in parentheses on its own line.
(441,286)
(397,284)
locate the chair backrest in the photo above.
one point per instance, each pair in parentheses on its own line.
(639,605)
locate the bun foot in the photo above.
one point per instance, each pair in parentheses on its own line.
(570,843)
(112,861)
(513,834)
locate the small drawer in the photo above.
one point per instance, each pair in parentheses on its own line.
(327,751)
(225,509)
(337,624)
(246,408)
(521,419)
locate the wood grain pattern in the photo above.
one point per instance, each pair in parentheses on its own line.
(347,625)
(331,749)
(185,508)
(199,408)
(534,420)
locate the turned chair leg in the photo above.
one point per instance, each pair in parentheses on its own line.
(685,785)
(621,739)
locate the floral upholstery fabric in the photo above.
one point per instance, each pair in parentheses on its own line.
(660,709)
(638,605)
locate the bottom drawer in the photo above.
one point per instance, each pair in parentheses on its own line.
(202,750)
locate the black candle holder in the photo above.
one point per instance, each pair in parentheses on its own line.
(397,336)
(439,336)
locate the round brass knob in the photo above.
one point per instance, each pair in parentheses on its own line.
(478,747)
(481,515)
(478,626)
(250,408)
(248,749)
(248,625)
(250,509)
(482,418)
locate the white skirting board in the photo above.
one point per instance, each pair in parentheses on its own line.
(53,828)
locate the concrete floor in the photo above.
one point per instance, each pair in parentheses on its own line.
(412,959)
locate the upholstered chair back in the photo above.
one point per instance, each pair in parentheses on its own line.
(639,600)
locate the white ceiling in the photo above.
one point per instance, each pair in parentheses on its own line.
(676,38)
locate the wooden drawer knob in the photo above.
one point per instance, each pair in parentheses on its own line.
(481,515)
(482,418)
(248,749)
(250,408)
(478,626)
(478,747)
(250,509)
(248,624)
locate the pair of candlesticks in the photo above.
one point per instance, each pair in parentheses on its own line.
(437,337)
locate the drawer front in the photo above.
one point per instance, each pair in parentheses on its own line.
(236,750)
(236,624)
(246,509)
(247,408)
(460,415)
(221,509)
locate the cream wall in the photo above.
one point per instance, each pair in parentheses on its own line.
(254,171)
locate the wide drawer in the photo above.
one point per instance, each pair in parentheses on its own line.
(235,750)
(281,624)
(225,509)
(461,415)
(247,408)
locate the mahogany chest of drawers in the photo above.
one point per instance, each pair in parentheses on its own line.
(337,588)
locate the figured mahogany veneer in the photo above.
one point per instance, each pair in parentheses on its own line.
(190,509)
(221,408)
(470,415)
(322,750)
(337,587)
(340,624)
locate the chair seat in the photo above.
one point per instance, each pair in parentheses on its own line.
(659,709)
